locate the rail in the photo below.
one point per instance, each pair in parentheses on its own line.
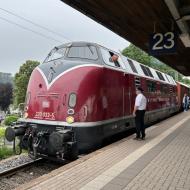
(15,169)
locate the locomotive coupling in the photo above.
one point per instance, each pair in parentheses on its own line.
(11,133)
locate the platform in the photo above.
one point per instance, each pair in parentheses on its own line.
(161,161)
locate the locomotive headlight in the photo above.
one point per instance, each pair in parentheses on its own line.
(69,119)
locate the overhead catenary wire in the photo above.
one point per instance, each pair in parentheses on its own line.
(35,24)
(25,28)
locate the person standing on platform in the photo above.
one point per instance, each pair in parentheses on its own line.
(139,112)
(185,102)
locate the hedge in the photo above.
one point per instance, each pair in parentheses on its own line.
(10,119)
(2,132)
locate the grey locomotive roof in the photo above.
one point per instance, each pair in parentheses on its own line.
(79,43)
(167,78)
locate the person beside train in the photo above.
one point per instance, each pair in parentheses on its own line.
(139,112)
(185,102)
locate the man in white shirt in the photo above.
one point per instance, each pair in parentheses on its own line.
(139,112)
(185,102)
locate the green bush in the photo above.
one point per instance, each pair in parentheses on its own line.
(2,132)
(10,119)
(5,152)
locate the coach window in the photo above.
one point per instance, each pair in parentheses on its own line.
(107,58)
(83,52)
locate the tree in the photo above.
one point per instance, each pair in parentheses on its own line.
(21,81)
(5,95)
(137,54)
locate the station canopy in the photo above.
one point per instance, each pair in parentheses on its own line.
(136,20)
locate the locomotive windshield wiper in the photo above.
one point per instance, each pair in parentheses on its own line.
(50,54)
(51,73)
(51,68)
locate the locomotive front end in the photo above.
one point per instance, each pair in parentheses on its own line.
(52,107)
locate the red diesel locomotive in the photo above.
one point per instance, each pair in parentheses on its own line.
(79,96)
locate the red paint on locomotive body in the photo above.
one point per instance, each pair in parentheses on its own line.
(85,82)
(99,90)
(102,94)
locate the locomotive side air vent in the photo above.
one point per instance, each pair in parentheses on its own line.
(137,82)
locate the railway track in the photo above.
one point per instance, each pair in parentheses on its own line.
(15,176)
(14,170)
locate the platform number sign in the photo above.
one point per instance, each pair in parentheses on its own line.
(162,43)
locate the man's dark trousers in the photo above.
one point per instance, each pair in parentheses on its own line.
(139,121)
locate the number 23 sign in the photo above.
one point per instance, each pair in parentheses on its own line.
(162,43)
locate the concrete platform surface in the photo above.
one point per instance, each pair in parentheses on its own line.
(162,161)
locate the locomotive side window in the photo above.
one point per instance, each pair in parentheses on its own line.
(132,66)
(149,72)
(146,71)
(83,52)
(107,59)
(55,54)
(167,78)
(160,76)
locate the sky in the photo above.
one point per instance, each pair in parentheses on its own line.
(18,44)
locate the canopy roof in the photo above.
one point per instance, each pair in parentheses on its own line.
(135,20)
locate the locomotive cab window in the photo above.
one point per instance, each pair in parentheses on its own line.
(56,53)
(83,52)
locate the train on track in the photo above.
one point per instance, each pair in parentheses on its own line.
(79,96)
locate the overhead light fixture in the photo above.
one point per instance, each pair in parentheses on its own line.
(185,38)
(181,22)
(173,8)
